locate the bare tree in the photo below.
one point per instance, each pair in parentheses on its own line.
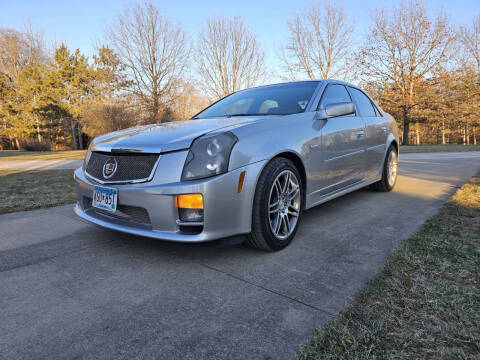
(470,72)
(189,101)
(100,118)
(470,39)
(153,50)
(229,57)
(19,49)
(401,52)
(320,40)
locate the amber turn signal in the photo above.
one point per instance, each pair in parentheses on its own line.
(189,201)
(241,178)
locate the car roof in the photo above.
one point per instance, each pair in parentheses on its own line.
(325,81)
(338,82)
(283,83)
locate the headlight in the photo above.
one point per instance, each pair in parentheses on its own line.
(209,156)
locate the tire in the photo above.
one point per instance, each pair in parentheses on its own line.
(276,212)
(387,183)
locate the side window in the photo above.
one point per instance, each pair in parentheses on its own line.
(334,94)
(377,112)
(363,102)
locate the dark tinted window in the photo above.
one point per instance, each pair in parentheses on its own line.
(282,99)
(334,94)
(363,102)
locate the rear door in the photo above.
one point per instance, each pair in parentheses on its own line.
(376,130)
(343,144)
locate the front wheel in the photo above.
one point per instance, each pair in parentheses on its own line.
(389,171)
(277,206)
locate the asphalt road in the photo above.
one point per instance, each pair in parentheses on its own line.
(69,290)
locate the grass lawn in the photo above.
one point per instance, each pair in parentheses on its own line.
(437,148)
(29,190)
(424,303)
(42,155)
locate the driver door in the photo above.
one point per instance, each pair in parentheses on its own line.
(342,151)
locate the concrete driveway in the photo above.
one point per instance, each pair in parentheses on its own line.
(72,290)
(40,164)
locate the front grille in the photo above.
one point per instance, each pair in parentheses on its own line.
(130,166)
(128,213)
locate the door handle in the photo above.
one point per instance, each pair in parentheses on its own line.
(360,133)
(384,128)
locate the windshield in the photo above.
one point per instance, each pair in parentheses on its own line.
(282,99)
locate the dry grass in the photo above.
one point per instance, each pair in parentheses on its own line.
(42,155)
(424,303)
(437,148)
(29,190)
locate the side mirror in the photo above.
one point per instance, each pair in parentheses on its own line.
(336,109)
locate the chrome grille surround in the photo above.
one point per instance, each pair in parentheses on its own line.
(132,167)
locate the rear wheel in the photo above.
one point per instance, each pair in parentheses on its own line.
(389,171)
(277,206)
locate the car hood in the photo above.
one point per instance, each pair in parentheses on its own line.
(169,136)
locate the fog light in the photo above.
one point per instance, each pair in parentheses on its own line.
(190,207)
(190,215)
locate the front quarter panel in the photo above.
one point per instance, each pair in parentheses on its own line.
(264,140)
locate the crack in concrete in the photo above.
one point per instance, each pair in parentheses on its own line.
(264,288)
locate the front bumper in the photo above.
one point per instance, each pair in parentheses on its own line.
(226,212)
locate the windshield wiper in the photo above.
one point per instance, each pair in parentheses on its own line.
(230,115)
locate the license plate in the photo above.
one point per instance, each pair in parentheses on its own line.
(105,198)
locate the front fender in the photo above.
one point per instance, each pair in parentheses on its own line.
(265,140)
(390,139)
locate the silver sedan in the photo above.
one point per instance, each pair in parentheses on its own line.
(248,164)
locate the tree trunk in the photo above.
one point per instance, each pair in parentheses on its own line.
(17,143)
(74,136)
(443,132)
(467,134)
(475,135)
(80,137)
(417,134)
(39,137)
(406,130)
(155,107)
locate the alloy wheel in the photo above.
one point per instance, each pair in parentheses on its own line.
(392,168)
(284,204)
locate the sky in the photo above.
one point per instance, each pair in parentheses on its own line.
(80,24)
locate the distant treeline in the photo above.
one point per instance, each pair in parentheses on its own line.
(423,71)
